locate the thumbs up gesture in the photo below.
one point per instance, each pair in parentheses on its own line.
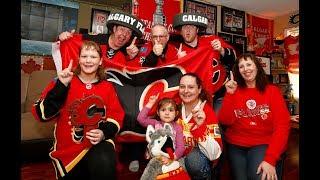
(132,50)
(157,48)
(231,85)
(66,75)
(181,53)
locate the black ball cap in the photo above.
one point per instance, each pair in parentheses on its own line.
(127,20)
(190,18)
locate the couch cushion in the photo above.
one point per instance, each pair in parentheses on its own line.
(34,129)
(37,82)
(24,87)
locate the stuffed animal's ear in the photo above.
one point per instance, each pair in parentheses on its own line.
(150,131)
(167,127)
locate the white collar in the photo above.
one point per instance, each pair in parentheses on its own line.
(185,118)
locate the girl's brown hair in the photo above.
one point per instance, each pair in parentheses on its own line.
(165,101)
(261,78)
(92,45)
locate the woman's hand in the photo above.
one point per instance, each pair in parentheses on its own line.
(66,75)
(66,35)
(95,136)
(268,171)
(198,114)
(152,101)
(231,85)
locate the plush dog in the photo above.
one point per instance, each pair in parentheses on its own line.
(161,143)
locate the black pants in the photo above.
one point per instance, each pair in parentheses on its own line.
(98,163)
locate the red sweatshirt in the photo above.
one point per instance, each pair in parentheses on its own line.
(253,119)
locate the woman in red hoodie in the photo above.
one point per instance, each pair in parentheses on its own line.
(257,122)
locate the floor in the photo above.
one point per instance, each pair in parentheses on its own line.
(45,170)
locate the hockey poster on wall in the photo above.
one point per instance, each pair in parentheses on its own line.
(210,11)
(99,21)
(265,63)
(232,20)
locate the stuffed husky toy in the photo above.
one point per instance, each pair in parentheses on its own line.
(161,143)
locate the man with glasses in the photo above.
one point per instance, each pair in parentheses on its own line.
(158,51)
(119,45)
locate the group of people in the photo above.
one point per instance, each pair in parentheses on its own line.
(89,114)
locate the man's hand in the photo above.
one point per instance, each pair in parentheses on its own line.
(132,50)
(181,53)
(157,48)
(216,45)
(66,35)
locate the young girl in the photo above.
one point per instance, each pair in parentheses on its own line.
(88,115)
(167,112)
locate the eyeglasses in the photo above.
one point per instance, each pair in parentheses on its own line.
(159,36)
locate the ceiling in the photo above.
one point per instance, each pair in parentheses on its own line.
(264,8)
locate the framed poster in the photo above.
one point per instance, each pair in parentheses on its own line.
(210,11)
(99,21)
(266,64)
(226,37)
(232,21)
(239,43)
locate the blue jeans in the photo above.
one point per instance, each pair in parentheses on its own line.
(244,162)
(198,165)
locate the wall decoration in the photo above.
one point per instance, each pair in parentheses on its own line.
(232,21)
(210,11)
(266,64)
(239,43)
(283,78)
(261,38)
(99,21)
(226,37)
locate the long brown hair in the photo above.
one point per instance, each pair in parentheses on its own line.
(92,45)
(261,78)
(203,94)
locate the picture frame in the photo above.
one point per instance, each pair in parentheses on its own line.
(239,43)
(99,21)
(265,63)
(275,78)
(226,37)
(209,10)
(232,21)
(283,78)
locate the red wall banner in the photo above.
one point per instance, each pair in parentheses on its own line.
(261,34)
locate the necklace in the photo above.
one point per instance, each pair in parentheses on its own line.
(88,84)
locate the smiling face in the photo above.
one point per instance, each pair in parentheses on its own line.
(167,112)
(248,71)
(189,90)
(89,60)
(189,33)
(121,36)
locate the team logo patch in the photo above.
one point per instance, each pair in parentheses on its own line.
(251,104)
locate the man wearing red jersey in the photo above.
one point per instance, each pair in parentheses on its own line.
(192,24)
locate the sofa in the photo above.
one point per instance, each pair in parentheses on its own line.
(36,137)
